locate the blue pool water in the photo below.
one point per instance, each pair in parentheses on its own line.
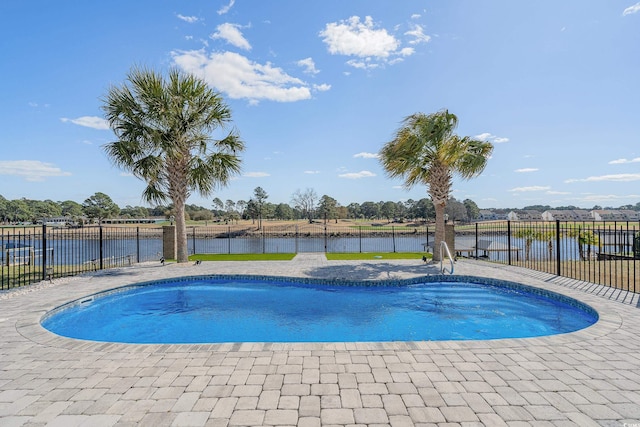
(217,310)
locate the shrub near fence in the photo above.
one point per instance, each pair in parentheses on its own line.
(607,253)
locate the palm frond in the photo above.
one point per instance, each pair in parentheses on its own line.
(163,126)
(425,150)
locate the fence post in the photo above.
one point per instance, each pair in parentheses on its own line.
(476,247)
(193,239)
(263,237)
(426,248)
(169,241)
(508,242)
(101,248)
(360,234)
(229,238)
(44,251)
(325,237)
(558,257)
(393,237)
(137,244)
(297,237)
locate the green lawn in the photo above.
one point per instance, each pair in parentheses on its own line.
(241,257)
(376,255)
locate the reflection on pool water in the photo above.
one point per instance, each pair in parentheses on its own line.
(217,309)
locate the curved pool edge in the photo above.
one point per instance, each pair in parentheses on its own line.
(338,282)
(30,326)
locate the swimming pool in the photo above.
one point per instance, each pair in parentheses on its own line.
(217,309)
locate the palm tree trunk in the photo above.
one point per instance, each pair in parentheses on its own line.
(182,254)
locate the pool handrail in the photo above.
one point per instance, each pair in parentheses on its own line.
(445,248)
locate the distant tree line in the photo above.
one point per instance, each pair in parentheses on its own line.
(304,205)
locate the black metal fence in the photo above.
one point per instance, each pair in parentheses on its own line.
(302,237)
(32,254)
(606,253)
(598,252)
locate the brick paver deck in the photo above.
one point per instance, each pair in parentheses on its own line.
(587,378)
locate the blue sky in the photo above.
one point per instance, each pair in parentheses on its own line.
(317,87)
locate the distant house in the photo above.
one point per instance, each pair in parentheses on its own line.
(567,215)
(491,215)
(133,220)
(631,215)
(58,221)
(615,215)
(524,215)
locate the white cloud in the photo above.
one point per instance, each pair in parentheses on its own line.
(525,170)
(363,65)
(30,170)
(189,19)
(366,155)
(357,175)
(631,9)
(354,38)
(231,34)
(308,65)
(558,193)
(256,174)
(407,51)
(417,32)
(416,16)
(239,77)
(312,172)
(225,9)
(486,136)
(88,121)
(372,46)
(532,188)
(605,197)
(622,177)
(322,88)
(624,161)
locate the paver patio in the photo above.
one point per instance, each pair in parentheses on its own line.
(589,377)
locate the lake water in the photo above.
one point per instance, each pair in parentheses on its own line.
(78,251)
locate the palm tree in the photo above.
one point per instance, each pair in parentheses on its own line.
(585,238)
(548,236)
(163,128)
(426,151)
(528,235)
